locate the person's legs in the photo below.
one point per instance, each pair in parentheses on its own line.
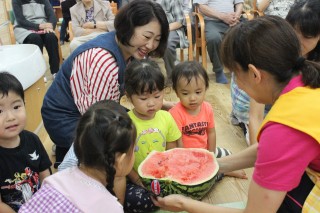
(138,199)
(67,20)
(214,34)
(51,43)
(34,38)
(63,31)
(65,6)
(170,56)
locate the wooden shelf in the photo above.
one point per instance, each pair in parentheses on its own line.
(33,100)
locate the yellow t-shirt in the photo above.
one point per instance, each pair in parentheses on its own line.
(153,134)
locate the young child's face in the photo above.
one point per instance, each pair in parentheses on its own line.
(191,94)
(12,116)
(146,105)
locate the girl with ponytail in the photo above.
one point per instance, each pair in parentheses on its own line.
(104,145)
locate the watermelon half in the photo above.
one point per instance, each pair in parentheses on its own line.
(187,171)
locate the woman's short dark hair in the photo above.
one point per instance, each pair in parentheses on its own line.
(270,44)
(189,70)
(139,13)
(104,130)
(9,83)
(143,75)
(304,16)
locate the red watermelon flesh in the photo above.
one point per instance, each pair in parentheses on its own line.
(184,166)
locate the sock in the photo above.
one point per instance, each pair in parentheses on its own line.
(222,152)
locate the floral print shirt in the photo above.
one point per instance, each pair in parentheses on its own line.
(279,7)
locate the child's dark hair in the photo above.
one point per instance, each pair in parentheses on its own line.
(139,13)
(271,44)
(104,130)
(143,76)
(304,16)
(189,70)
(9,82)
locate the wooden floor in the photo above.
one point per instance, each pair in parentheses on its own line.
(228,136)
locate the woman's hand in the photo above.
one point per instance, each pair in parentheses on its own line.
(88,25)
(44,26)
(48,30)
(174,203)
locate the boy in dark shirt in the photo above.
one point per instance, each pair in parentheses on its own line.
(24,162)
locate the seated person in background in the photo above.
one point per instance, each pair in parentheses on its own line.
(275,7)
(65,6)
(104,145)
(219,16)
(90,18)
(24,162)
(35,23)
(175,15)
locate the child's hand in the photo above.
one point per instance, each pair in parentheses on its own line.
(139,183)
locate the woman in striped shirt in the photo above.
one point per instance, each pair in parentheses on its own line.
(95,70)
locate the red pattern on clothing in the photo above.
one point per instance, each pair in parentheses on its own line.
(94,77)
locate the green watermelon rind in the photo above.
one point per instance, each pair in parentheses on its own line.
(196,190)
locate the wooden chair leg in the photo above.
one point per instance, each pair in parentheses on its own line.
(181,54)
(12,38)
(201,45)
(189,38)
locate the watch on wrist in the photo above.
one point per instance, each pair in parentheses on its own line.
(94,24)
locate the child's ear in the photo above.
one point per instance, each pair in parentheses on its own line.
(120,160)
(255,73)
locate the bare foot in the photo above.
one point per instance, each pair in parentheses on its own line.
(238,174)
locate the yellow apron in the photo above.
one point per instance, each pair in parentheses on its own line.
(300,109)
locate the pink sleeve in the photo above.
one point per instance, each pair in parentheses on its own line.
(283,155)
(94,77)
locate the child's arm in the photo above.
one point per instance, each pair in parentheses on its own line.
(179,143)
(4,208)
(119,188)
(44,174)
(212,139)
(173,144)
(256,115)
(135,178)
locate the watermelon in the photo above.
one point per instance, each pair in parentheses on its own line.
(187,171)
